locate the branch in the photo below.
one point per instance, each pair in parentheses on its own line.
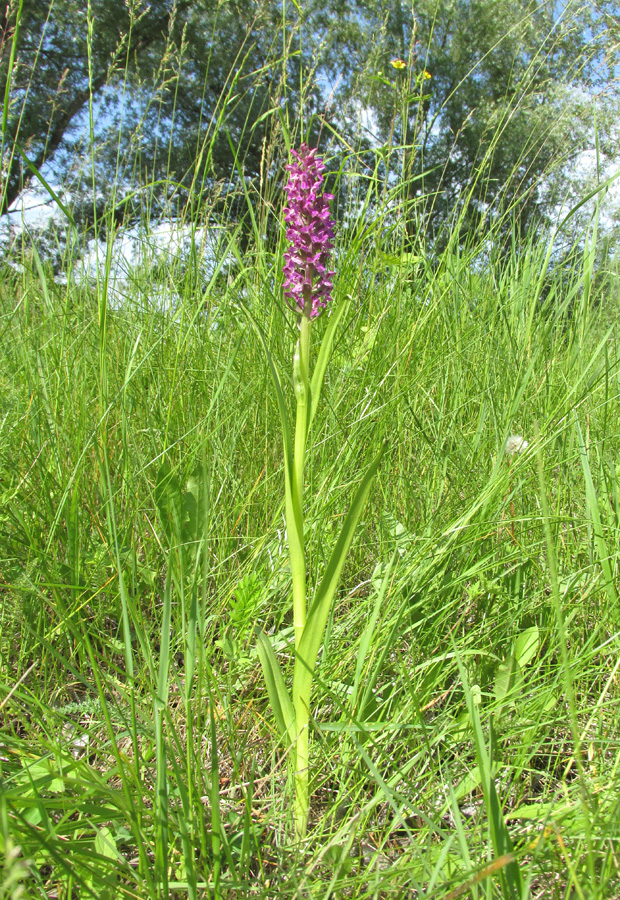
(17,180)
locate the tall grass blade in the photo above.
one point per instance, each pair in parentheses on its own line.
(279,697)
(602,550)
(45,184)
(216,818)
(159,711)
(503,848)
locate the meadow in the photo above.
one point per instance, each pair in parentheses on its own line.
(465,728)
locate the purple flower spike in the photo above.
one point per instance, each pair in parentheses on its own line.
(307,279)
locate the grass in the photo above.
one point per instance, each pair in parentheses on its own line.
(466,737)
(466,725)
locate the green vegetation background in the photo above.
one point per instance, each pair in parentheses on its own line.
(119,426)
(466,732)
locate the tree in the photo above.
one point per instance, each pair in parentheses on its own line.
(496,114)
(159,78)
(188,95)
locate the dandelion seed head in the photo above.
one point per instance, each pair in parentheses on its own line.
(516,444)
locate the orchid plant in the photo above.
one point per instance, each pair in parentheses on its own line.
(308,291)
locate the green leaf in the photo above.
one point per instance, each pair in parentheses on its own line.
(279,697)
(293,511)
(526,646)
(507,678)
(539,812)
(105,843)
(339,859)
(195,506)
(314,629)
(169,502)
(43,777)
(468,783)
(323,356)
(245,601)
(381,80)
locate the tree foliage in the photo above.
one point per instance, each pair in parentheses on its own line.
(176,90)
(498,110)
(189,96)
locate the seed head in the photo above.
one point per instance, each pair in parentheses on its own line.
(516,444)
(307,281)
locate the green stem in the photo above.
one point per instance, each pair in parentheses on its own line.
(295,518)
(295,524)
(302,801)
